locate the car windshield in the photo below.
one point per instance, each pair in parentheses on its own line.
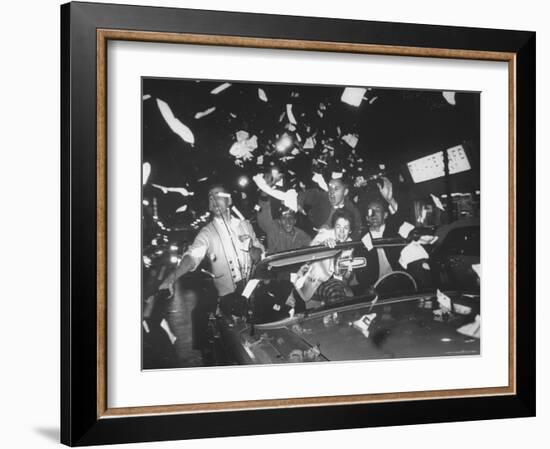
(296,282)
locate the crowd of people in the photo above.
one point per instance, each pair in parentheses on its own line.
(231,246)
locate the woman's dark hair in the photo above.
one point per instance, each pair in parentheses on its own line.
(341,213)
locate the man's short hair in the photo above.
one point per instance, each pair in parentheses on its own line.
(378,200)
(342,213)
(343,180)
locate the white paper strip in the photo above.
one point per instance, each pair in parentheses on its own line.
(175,125)
(250,286)
(220,88)
(202,114)
(405,229)
(290,115)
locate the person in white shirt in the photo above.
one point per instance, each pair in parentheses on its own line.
(229,243)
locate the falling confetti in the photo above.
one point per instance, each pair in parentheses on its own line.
(261,95)
(405,229)
(244,146)
(146,97)
(411,253)
(181,190)
(202,179)
(351,139)
(237,212)
(353,95)
(310,143)
(220,88)
(202,114)
(290,114)
(260,160)
(175,125)
(437,202)
(372,100)
(320,181)
(449,97)
(181,209)
(146,172)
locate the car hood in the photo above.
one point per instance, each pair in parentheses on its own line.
(400,328)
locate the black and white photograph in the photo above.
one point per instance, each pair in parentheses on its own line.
(295,223)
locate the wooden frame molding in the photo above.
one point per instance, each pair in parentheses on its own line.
(106,35)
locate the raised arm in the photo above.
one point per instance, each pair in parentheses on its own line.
(265,217)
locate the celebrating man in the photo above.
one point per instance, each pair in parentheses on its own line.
(318,205)
(282,234)
(229,243)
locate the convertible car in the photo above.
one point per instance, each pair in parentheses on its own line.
(395,318)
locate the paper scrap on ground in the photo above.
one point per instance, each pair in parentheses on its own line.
(444,301)
(363,323)
(250,286)
(202,114)
(472,329)
(437,202)
(367,241)
(175,125)
(353,95)
(181,190)
(337,175)
(405,229)
(146,172)
(261,95)
(290,115)
(181,209)
(477,268)
(411,253)
(449,97)
(320,181)
(220,88)
(351,139)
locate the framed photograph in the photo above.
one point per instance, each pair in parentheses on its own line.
(282,224)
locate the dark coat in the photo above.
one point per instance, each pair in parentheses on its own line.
(372,272)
